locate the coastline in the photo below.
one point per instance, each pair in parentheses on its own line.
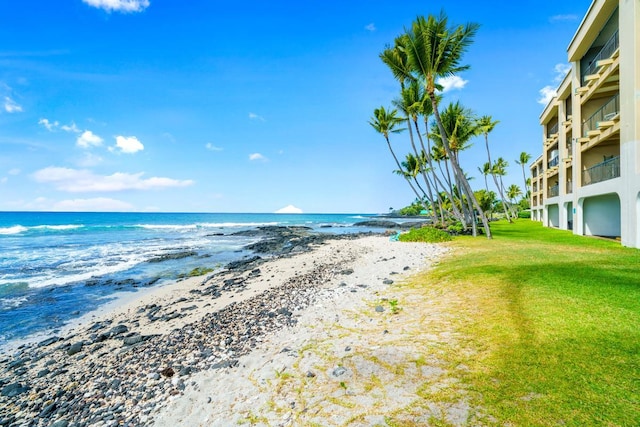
(162,347)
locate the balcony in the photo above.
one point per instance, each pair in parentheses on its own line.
(569,187)
(602,117)
(553,162)
(552,131)
(554,191)
(604,171)
(605,53)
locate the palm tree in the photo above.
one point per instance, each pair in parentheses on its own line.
(499,169)
(385,122)
(433,51)
(459,126)
(485,170)
(523,161)
(410,105)
(512,193)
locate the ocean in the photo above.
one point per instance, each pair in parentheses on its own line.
(57,266)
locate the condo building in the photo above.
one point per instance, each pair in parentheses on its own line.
(588,177)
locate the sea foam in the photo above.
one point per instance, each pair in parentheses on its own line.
(16,229)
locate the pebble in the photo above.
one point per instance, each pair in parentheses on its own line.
(101,387)
(118,384)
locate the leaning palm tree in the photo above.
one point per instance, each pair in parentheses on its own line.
(459,126)
(512,193)
(485,170)
(434,51)
(523,160)
(499,169)
(409,104)
(385,122)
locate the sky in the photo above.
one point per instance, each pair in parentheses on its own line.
(249,106)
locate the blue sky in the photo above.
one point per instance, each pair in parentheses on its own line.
(207,106)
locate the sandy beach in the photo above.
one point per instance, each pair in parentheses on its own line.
(324,337)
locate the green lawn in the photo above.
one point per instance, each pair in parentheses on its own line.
(551,322)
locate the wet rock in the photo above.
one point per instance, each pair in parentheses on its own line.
(377,223)
(243,263)
(48,341)
(134,339)
(172,256)
(118,330)
(13,390)
(75,348)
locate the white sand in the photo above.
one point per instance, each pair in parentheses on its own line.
(350,359)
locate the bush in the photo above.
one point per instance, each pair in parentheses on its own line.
(524,214)
(426,235)
(456,228)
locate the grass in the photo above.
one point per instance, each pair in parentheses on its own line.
(551,324)
(425,234)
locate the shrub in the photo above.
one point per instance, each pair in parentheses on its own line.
(524,214)
(426,235)
(456,228)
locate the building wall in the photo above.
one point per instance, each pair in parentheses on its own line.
(603,205)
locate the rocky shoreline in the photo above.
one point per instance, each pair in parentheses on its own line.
(117,371)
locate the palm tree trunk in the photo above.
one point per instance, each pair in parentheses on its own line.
(504,206)
(415,151)
(422,171)
(501,192)
(400,168)
(456,167)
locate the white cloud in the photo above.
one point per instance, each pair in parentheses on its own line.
(3,180)
(370,27)
(289,209)
(83,180)
(119,5)
(88,139)
(98,204)
(561,71)
(55,125)
(14,171)
(10,106)
(50,126)
(70,128)
(546,95)
(548,92)
(257,156)
(129,144)
(254,116)
(451,83)
(564,18)
(212,147)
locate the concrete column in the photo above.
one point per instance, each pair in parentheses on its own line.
(576,132)
(629,32)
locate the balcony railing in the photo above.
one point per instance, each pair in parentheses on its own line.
(553,162)
(553,191)
(607,50)
(552,130)
(569,187)
(604,171)
(607,112)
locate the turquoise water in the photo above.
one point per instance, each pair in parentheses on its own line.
(55,266)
